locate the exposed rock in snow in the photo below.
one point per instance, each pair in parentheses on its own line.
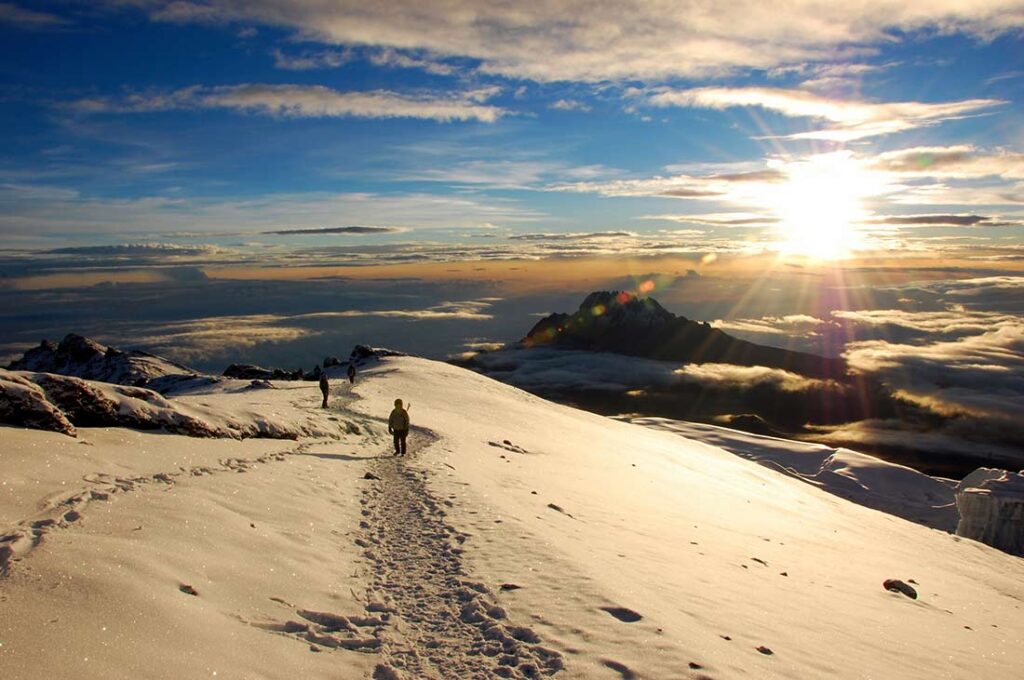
(991,504)
(84,358)
(60,403)
(897,586)
(24,403)
(361,353)
(103,405)
(260,385)
(253,372)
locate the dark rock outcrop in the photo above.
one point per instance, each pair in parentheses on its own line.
(24,403)
(82,357)
(361,353)
(58,403)
(253,372)
(47,401)
(620,322)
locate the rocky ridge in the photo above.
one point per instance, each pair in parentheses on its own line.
(623,323)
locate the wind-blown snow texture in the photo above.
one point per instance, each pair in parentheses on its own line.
(577,545)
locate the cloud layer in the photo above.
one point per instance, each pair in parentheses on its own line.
(583,41)
(850,119)
(305,101)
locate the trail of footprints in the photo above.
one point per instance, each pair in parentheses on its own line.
(67,509)
(440,623)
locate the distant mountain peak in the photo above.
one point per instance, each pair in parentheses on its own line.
(622,305)
(625,323)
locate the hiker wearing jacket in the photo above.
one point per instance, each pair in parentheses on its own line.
(398,425)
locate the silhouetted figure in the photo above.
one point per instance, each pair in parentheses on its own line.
(351,373)
(398,425)
(325,387)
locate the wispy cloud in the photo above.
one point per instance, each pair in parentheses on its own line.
(20,17)
(850,119)
(963,161)
(166,252)
(717,186)
(306,101)
(583,41)
(310,60)
(50,209)
(931,220)
(467,310)
(734,219)
(570,105)
(391,58)
(337,230)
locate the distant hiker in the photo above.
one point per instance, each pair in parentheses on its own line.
(325,387)
(351,372)
(398,425)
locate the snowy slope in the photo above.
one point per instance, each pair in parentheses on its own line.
(863,479)
(637,553)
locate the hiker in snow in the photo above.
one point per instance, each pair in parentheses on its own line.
(325,387)
(351,373)
(398,425)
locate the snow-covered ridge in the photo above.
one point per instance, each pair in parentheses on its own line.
(518,535)
(857,477)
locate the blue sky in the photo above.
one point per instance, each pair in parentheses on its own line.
(134,121)
(272,181)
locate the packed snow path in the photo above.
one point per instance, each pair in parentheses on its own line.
(443,624)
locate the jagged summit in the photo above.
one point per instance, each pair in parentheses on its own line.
(83,357)
(624,323)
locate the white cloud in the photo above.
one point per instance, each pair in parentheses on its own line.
(950,323)
(197,339)
(394,59)
(308,61)
(980,375)
(581,40)
(306,101)
(731,376)
(788,325)
(471,310)
(851,119)
(570,105)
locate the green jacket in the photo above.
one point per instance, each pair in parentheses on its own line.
(398,420)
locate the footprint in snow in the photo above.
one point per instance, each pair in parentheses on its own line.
(508,446)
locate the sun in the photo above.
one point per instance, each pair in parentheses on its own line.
(820,206)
